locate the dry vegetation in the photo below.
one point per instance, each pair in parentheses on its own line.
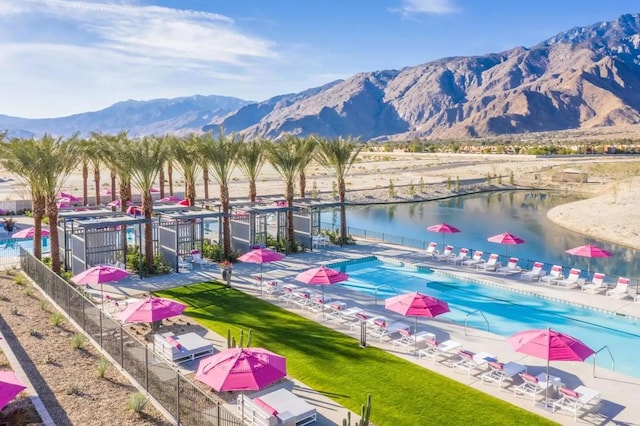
(66,378)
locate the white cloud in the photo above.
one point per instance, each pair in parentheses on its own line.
(434,7)
(85,55)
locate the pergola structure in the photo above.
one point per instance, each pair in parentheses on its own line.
(307,220)
(250,225)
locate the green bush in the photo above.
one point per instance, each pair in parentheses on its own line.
(56,319)
(102,367)
(137,402)
(77,341)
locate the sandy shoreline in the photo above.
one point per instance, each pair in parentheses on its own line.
(606,213)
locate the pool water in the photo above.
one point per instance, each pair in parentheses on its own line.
(507,312)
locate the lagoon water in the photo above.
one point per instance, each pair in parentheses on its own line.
(480,216)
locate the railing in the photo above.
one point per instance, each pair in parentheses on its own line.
(375,296)
(466,318)
(181,398)
(595,355)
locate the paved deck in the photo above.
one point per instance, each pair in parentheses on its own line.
(619,393)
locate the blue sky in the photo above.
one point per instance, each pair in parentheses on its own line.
(60,57)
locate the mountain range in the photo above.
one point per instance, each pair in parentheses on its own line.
(583,78)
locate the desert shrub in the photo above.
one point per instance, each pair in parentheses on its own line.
(35,333)
(28,291)
(102,367)
(137,402)
(19,279)
(44,305)
(56,319)
(74,390)
(77,341)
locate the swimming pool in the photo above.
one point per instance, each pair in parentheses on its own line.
(507,312)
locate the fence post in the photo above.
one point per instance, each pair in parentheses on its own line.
(121,348)
(146,369)
(101,331)
(178,398)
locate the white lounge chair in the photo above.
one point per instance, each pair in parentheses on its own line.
(463,255)
(409,340)
(530,386)
(277,407)
(470,361)
(621,290)
(596,285)
(576,400)
(182,264)
(554,275)
(197,259)
(535,273)
(499,372)
(381,327)
(511,268)
(477,258)
(445,255)
(432,249)
(435,348)
(489,265)
(572,280)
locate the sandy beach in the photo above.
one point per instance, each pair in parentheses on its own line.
(609,203)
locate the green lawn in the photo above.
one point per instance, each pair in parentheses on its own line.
(332,363)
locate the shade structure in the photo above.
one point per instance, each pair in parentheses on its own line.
(30,232)
(151,309)
(416,305)
(322,275)
(241,369)
(589,251)
(10,387)
(261,255)
(443,228)
(549,345)
(506,239)
(101,274)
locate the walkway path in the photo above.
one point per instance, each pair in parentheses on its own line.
(619,393)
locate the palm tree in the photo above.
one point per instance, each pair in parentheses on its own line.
(56,160)
(305,146)
(144,158)
(286,157)
(250,160)
(185,153)
(220,155)
(18,157)
(337,156)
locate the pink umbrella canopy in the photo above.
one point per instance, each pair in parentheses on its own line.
(241,369)
(506,239)
(100,275)
(416,305)
(69,198)
(261,255)
(151,309)
(549,345)
(10,387)
(169,199)
(322,276)
(184,202)
(29,233)
(443,228)
(589,251)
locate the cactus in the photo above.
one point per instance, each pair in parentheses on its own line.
(347,421)
(229,338)
(241,338)
(249,338)
(365,414)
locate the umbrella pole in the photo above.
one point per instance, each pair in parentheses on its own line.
(322,304)
(260,283)
(415,337)
(546,390)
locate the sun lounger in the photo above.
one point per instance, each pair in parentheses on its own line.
(621,290)
(183,347)
(554,275)
(445,255)
(477,258)
(336,308)
(432,250)
(317,304)
(463,255)
(572,280)
(288,291)
(434,348)
(511,268)
(410,340)
(535,273)
(596,285)
(499,372)
(272,286)
(278,407)
(380,327)
(576,400)
(470,361)
(183,265)
(197,259)
(531,386)
(489,265)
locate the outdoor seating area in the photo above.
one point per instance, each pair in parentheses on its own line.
(279,407)
(576,400)
(179,348)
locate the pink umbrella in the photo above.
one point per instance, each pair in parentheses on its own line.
(101,274)
(322,276)
(416,305)
(261,255)
(29,233)
(589,251)
(10,387)
(134,210)
(169,199)
(443,228)
(70,198)
(151,309)
(154,190)
(184,202)
(506,239)
(549,345)
(116,203)
(241,369)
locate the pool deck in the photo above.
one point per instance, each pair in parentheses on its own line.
(619,393)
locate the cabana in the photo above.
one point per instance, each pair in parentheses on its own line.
(250,225)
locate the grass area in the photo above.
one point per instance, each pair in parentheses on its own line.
(332,363)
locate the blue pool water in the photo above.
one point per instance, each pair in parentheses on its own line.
(507,312)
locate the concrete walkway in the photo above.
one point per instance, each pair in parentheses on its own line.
(619,393)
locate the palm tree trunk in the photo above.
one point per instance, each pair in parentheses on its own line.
(253,191)
(161,179)
(170,177)
(52,214)
(113,185)
(85,183)
(147,208)
(124,197)
(205,178)
(342,194)
(291,235)
(191,194)
(38,204)
(96,181)
(303,184)
(226,224)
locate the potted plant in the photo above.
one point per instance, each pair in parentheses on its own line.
(8,224)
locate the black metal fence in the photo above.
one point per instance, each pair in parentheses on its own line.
(185,401)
